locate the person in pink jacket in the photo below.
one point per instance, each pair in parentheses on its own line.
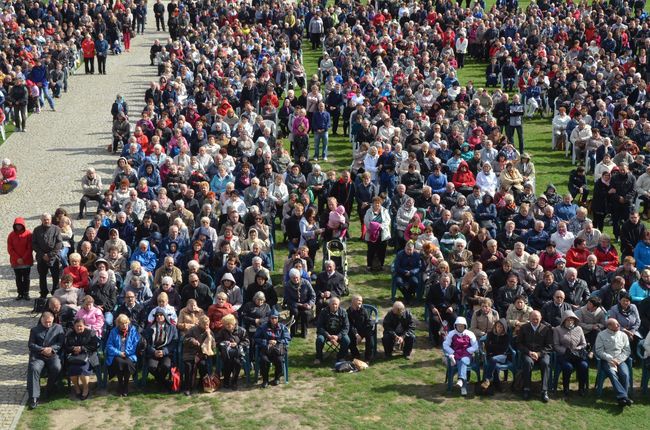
(92,316)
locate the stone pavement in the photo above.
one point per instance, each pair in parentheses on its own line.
(51,158)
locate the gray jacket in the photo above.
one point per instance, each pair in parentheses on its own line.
(612,345)
(47,240)
(91,187)
(41,338)
(565,339)
(591,320)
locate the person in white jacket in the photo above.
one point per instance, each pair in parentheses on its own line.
(579,138)
(487,180)
(560,123)
(459,347)
(370,163)
(461,49)
(642,188)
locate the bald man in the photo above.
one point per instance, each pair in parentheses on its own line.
(613,349)
(535,343)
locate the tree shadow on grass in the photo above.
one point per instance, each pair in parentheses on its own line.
(419,391)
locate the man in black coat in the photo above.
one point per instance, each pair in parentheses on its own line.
(535,343)
(132,309)
(329,283)
(632,232)
(399,331)
(45,342)
(197,291)
(622,200)
(552,311)
(593,274)
(333,327)
(361,329)
(575,290)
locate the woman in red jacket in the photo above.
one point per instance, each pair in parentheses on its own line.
(607,255)
(464,179)
(19,248)
(78,272)
(88,48)
(576,256)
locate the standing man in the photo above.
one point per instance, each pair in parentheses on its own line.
(334,103)
(45,342)
(88,48)
(159,13)
(321,124)
(47,242)
(622,195)
(316,30)
(101,50)
(535,343)
(515,122)
(19,97)
(19,248)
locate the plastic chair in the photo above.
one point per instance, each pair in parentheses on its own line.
(285,364)
(508,366)
(551,367)
(475,366)
(645,369)
(601,375)
(374,316)
(556,376)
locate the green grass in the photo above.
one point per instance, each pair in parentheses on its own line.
(391,393)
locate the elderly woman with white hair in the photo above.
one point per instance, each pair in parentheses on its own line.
(300,298)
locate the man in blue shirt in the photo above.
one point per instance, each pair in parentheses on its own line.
(101,50)
(321,123)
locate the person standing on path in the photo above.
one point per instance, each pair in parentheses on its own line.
(47,242)
(101,50)
(88,48)
(19,98)
(159,13)
(19,248)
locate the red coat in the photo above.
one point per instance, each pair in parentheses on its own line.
(547,261)
(576,258)
(607,259)
(19,245)
(79,277)
(216,314)
(88,48)
(463,176)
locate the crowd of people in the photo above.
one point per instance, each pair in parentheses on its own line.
(182,244)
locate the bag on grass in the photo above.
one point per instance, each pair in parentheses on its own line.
(176,380)
(211,383)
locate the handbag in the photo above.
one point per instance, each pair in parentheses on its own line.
(175,380)
(77,359)
(211,383)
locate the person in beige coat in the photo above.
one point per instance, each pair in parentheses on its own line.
(484,318)
(518,314)
(189,316)
(592,318)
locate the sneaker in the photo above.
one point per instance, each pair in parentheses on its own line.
(325,159)
(459,383)
(315,158)
(463,391)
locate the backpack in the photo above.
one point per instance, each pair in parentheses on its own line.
(175,380)
(40,305)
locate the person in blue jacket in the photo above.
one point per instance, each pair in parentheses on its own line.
(566,210)
(145,256)
(642,252)
(121,352)
(407,271)
(151,174)
(101,51)
(39,76)
(437,181)
(272,340)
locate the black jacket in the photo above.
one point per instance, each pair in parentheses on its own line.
(360,322)
(136,314)
(201,294)
(552,313)
(631,234)
(335,284)
(535,341)
(104,295)
(399,325)
(41,337)
(595,279)
(577,295)
(336,324)
(268,290)
(88,342)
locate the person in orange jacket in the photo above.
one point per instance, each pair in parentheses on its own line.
(19,248)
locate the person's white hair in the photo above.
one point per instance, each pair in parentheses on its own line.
(294,272)
(193,264)
(460,242)
(167,280)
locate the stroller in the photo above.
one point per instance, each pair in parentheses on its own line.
(336,250)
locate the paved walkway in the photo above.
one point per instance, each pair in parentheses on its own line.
(51,157)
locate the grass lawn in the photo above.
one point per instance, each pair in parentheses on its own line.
(390,394)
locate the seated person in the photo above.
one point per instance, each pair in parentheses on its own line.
(198,291)
(255,313)
(198,347)
(162,339)
(399,331)
(81,346)
(218,310)
(105,294)
(497,351)
(165,307)
(361,329)
(627,315)
(231,290)
(483,319)
(68,294)
(133,310)
(593,274)
(535,343)
(92,316)
(459,347)
(166,286)
(518,314)
(45,342)
(544,290)
(189,317)
(571,352)
(300,298)
(575,290)
(261,285)
(407,271)
(332,326)
(121,352)
(232,342)
(552,311)
(251,272)
(613,349)
(329,283)
(592,318)
(443,301)
(272,340)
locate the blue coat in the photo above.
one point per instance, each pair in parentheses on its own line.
(438,184)
(642,255)
(147,259)
(114,344)
(407,263)
(279,333)
(566,211)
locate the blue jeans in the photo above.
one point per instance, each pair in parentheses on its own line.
(462,365)
(568,366)
(620,378)
(8,187)
(318,138)
(45,94)
(387,184)
(491,366)
(344,343)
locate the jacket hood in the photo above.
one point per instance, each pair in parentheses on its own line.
(20,221)
(504,323)
(569,314)
(227,277)
(463,164)
(459,321)
(551,187)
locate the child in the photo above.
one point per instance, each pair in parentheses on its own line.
(336,221)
